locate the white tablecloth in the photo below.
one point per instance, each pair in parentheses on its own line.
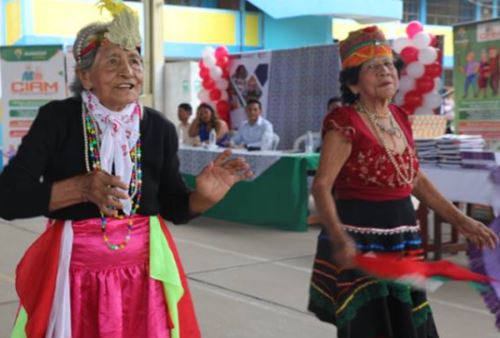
(465,185)
(194,159)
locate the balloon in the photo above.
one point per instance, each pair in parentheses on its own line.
(431,100)
(222,61)
(421,40)
(203,96)
(215,94)
(424,84)
(222,84)
(221,51)
(225,74)
(409,54)
(204,74)
(433,70)
(209,60)
(423,111)
(208,84)
(434,40)
(413,28)
(399,99)
(224,96)
(207,51)
(215,72)
(427,55)
(406,83)
(222,105)
(415,70)
(400,44)
(413,98)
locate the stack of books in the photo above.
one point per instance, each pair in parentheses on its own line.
(480,159)
(427,151)
(450,147)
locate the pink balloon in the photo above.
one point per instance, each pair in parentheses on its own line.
(413,28)
(409,54)
(221,51)
(204,73)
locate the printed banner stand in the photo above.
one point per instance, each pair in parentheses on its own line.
(476,79)
(31,76)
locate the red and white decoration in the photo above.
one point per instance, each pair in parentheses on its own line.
(420,79)
(214,72)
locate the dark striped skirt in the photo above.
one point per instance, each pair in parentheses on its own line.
(362,306)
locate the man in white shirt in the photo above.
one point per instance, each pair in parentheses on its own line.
(253,129)
(184,111)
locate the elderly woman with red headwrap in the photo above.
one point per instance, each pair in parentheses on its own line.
(104,170)
(367,173)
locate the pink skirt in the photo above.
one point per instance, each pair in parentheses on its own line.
(112,294)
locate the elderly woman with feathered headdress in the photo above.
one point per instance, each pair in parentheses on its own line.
(104,170)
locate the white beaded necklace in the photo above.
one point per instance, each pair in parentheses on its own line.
(405,175)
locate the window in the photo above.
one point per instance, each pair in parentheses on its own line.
(410,10)
(450,12)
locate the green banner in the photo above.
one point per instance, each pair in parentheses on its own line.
(29,53)
(476,79)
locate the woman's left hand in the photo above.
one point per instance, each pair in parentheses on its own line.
(220,175)
(477,233)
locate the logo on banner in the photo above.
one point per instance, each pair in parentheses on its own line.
(32,82)
(488,32)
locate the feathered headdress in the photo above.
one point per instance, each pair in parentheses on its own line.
(123,30)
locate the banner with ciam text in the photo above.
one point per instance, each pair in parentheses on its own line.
(31,76)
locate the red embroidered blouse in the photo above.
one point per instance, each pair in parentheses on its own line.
(368,173)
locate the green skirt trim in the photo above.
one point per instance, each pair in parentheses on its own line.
(341,314)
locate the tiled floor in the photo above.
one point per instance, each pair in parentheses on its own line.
(251,282)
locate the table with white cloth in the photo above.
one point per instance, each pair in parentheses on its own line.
(276,196)
(471,186)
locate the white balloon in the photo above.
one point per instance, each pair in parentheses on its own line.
(421,40)
(215,73)
(415,70)
(400,98)
(406,83)
(204,96)
(400,44)
(209,60)
(208,51)
(427,55)
(432,101)
(423,111)
(222,84)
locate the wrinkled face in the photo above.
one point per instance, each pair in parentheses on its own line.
(378,80)
(205,114)
(253,112)
(183,115)
(116,77)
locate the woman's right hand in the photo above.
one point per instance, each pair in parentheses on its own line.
(103,190)
(343,251)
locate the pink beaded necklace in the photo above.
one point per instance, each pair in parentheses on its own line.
(92,145)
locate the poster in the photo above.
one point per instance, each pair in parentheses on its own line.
(31,76)
(249,79)
(476,77)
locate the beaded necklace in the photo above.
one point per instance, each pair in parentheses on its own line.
(405,175)
(92,145)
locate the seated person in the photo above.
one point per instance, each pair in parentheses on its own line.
(333,102)
(206,120)
(184,112)
(252,130)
